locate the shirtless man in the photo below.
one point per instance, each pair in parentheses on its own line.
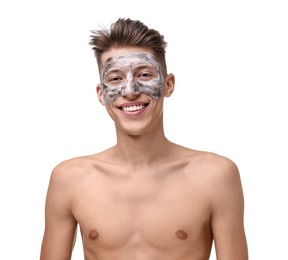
(145,198)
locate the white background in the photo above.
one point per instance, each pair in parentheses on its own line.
(230,60)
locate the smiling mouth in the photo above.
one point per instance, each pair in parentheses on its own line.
(133,108)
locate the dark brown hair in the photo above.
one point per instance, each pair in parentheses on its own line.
(125,33)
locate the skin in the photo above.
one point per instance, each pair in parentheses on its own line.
(145,198)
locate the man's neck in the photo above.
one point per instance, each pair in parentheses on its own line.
(142,150)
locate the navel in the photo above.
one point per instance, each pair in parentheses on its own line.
(93,234)
(181,234)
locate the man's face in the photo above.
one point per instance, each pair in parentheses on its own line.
(131,73)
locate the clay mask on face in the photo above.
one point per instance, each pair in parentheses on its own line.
(131,73)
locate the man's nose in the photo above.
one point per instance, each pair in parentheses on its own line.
(130,89)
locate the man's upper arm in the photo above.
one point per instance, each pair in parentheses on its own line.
(60,225)
(228,214)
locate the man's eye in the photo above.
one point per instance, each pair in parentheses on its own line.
(113,79)
(145,76)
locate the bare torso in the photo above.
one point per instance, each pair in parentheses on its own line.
(162,212)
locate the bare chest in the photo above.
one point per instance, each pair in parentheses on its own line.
(128,213)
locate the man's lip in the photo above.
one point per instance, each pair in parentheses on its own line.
(131,104)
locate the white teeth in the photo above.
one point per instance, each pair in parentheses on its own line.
(133,108)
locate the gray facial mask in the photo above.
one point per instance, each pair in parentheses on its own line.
(131,74)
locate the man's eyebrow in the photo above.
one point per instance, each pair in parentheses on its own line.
(113,67)
(142,65)
(112,70)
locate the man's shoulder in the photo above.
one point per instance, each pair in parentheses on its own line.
(72,168)
(212,164)
(220,170)
(216,160)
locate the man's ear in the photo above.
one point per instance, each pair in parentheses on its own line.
(170,83)
(100,94)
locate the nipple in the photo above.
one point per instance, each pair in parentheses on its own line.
(93,234)
(181,234)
